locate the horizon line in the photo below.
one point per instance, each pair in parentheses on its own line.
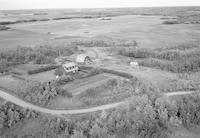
(54,8)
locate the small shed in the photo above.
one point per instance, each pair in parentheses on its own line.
(134,64)
(82,58)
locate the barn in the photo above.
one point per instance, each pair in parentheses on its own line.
(82,58)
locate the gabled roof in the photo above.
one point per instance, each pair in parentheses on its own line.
(70,64)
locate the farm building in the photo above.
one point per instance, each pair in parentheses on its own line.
(82,58)
(70,67)
(134,64)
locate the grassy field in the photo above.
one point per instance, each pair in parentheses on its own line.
(18,37)
(141,28)
(81,85)
(10,83)
(24,68)
(41,77)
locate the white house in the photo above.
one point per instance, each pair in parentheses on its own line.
(70,67)
(82,58)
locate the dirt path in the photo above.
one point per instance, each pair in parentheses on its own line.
(24,104)
(179,93)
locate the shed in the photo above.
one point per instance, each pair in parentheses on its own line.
(134,64)
(82,58)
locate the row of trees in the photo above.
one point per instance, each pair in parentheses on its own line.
(105,43)
(175,59)
(38,55)
(40,93)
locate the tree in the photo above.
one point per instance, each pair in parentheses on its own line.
(59,72)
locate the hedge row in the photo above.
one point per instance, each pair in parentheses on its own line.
(122,74)
(42,69)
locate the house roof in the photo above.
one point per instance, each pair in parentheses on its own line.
(70,64)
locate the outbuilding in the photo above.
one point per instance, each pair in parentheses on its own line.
(82,58)
(134,64)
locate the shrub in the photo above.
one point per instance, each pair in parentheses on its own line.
(122,74)
(2,28)
(136,53)
(63,80)
(188,110)
(171,22)
(59,71)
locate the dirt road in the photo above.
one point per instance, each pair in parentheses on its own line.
(24,104)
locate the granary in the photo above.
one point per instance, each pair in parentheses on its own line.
(82,58)
(70,67)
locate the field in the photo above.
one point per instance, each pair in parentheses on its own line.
(141,28)
(9,83)
(80,85)
(41,77)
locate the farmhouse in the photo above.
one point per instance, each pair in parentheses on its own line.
(70,67)
(82,58)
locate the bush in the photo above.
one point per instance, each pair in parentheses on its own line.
(188,110)
(170,22)
(122,74)
(59,71)
(2,28)
(136,53)
(63,80)
(42,69)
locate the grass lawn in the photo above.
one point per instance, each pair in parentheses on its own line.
(80,85)
(66,103)
(41,77)
(10,83)
(23,68)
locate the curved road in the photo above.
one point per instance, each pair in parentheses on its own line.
(20,102)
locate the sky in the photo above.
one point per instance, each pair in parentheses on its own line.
(43,4)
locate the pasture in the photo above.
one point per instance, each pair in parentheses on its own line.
(141,28)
